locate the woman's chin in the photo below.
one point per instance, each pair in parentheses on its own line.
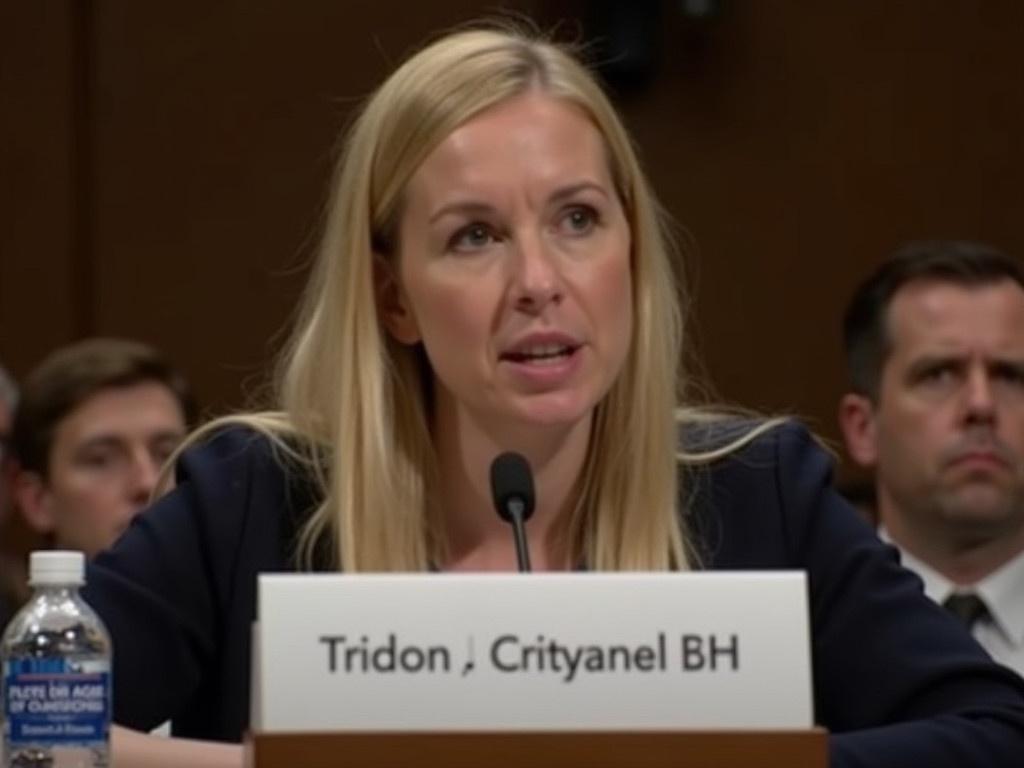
(554,410)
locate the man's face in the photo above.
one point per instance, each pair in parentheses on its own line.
(103,465)
(948,425)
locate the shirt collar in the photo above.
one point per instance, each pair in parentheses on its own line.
(1002,590)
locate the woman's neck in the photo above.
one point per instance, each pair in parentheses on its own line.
(478,539)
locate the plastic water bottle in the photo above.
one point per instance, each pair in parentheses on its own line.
(56,672)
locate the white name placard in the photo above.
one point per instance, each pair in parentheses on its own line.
(567,651)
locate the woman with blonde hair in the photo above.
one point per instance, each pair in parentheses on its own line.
(495,275)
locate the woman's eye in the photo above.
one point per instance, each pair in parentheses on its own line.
(472,237)
(579,219)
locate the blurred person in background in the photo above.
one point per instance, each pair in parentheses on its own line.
(95,423)
(10,575)
(8,401)
(935,347)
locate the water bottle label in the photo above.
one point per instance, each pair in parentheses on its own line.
(57,701)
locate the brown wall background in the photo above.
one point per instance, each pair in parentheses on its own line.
(162,165)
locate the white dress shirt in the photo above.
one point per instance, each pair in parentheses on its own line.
(1001,632)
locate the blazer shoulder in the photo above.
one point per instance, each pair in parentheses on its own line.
(232,448)
(731,444)
(755,483)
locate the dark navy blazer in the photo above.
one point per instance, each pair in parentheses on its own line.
(896,681)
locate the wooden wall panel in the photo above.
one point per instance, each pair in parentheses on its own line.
(40,305)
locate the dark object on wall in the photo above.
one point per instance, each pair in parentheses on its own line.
(624,41)
(700,9)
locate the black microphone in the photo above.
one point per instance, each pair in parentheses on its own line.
(512,492)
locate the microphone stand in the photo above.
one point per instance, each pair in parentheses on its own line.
(516,511)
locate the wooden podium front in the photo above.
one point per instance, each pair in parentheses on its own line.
(597,749)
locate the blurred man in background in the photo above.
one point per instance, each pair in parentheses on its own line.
(10,573)
(8,401)
(95,423)
(935,348)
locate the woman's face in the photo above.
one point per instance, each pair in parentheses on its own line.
(514,267)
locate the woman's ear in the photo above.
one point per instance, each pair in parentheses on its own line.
(392,303)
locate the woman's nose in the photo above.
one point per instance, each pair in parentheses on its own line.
(537,280)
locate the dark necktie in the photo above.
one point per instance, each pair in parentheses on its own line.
(967,607)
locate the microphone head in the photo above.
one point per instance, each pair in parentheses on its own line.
(512,483)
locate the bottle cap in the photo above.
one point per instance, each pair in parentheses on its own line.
(56,567)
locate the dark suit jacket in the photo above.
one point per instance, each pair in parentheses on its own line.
(896,680)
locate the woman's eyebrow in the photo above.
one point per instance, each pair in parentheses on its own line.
(571,190)
(477,208)
(464,207)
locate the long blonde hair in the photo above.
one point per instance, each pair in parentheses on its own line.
(354,403)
